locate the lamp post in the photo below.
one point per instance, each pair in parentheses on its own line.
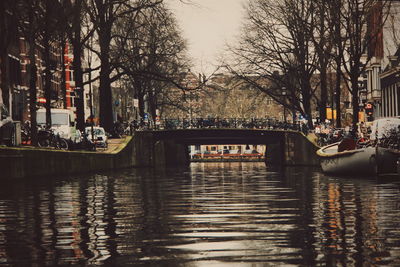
(284,103)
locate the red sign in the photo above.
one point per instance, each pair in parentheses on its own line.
(41,100)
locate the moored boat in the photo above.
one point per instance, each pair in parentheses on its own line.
(381,157)
(385,133)
(387,160)
(359,161)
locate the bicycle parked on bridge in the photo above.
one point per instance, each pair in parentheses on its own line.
(230,123)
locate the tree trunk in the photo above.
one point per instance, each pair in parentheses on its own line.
(47,77)
(63,74)
(4,42)
(4,84)
(141,104)
(324,93)
(105,94)
(32,84)
(77,66)
(307,110)
(153,107)
(106,111)
(338,42)
(78,75)
(306,98)
(356,107)
(338,93)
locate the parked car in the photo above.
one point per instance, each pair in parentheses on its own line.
(6,126)
(99,136)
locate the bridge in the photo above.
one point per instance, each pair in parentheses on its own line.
(170,147)
(155,148)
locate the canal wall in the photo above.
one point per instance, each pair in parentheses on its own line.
(17,162)
(293,149)
(149,151)
(138,151)
(298,150)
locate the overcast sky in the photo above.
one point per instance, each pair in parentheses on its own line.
(208,26)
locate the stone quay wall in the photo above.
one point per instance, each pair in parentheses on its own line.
(22,162)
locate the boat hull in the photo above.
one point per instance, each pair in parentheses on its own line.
(352,162)
(387,160)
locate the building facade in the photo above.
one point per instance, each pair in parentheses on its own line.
(390,83)
(17,64)
(382,69)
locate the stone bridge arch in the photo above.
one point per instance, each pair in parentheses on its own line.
(170,147)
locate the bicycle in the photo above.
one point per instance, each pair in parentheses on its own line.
(47,138)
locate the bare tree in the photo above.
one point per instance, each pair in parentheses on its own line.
(335,29)
(78,30)
(323,43)
(49,32)
(276,51)
(392,40)
(361,25)
(150,51)
(28,12)
(104,14)
(8,33)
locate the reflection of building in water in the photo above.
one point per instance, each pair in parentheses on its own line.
(4,218)
(60,225)
(129,200)
(226,150)
(346,219)
(388,221)
(97,219)
(67,221)
(51,224)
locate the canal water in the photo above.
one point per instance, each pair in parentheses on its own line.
(208,214)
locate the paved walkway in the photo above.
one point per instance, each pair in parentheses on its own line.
(113,144)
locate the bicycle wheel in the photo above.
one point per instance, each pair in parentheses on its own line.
(43,142)
(62,144)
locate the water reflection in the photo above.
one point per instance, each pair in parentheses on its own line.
(211,214)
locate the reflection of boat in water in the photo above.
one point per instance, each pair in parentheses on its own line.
(371,160)
(349,162)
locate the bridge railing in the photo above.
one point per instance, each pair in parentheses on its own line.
(218,123)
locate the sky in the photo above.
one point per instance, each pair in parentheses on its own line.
(208,25)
